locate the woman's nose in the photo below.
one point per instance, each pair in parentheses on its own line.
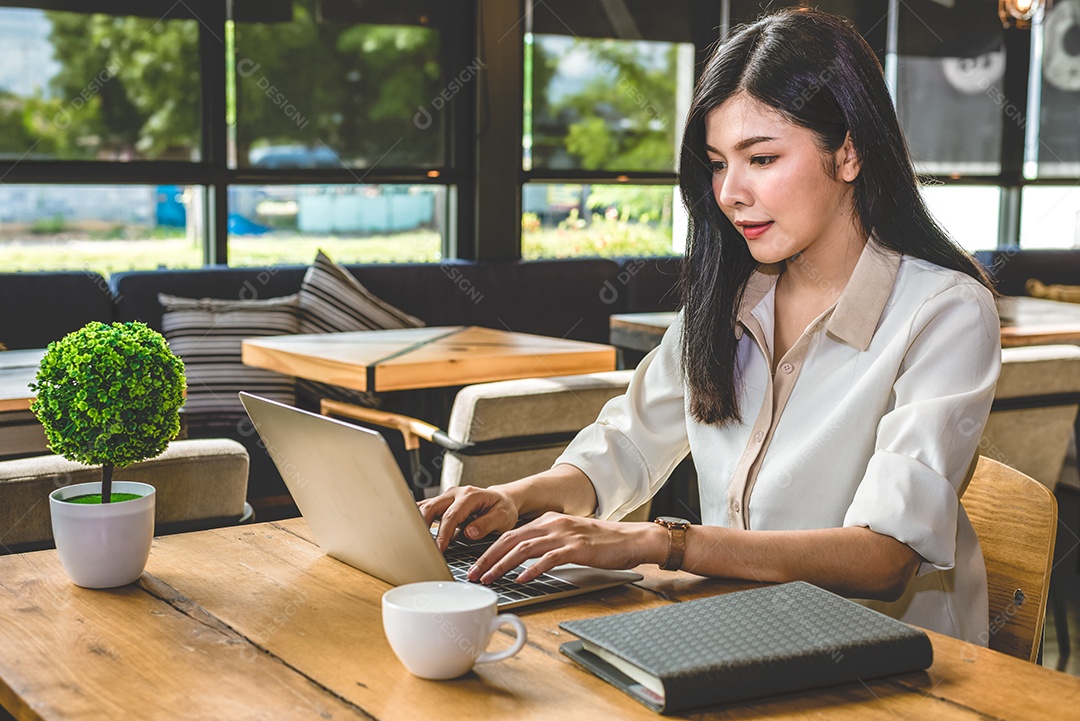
(730,189)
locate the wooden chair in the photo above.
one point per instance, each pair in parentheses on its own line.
(501,431)
(1030,428)
(1015,519)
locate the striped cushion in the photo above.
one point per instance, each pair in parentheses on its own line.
(206,334)
(333,301)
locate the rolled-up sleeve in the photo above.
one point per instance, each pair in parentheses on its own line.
(927,440)
(639,437)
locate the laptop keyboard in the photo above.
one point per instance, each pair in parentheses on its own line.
(460,556)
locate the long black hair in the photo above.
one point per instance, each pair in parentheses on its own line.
(817,71)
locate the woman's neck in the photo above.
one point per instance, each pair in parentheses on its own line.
(823,270)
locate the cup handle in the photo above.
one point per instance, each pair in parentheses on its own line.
(505,619)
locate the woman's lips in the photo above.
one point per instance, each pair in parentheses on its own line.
(753,231)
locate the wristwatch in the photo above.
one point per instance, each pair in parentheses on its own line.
(676,540)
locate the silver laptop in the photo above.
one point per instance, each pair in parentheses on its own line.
(361,511)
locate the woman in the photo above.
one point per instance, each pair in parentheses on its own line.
(831,369)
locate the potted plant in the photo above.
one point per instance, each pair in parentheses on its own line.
(108,395)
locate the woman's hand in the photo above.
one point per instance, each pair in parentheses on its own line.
(480,511)
(555,539)
(477,511)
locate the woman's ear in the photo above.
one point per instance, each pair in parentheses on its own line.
(848,164)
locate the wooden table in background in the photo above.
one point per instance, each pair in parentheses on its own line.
(1026,321)
(20,432)
(256,622)
(1035,321)
(18,368)
(412,358)
(639,331)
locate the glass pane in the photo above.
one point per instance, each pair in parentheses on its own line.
(1056,50)
(560,220)
(969,213)
(338,84)
(274,224)
(605,104)
(607,85)
(1050,217)
(97,87)
(950,76)
(102,228)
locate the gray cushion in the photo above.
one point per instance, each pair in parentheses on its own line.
(196,481)
(533,406)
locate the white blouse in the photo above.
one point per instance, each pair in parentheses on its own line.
(871,419)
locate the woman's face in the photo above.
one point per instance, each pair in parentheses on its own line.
(770,179)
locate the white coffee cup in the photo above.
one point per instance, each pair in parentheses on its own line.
(440,629)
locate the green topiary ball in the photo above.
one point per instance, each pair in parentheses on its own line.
(109,394)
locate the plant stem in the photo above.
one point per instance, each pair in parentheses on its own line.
(106,482)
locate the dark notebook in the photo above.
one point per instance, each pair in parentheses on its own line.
(742,645)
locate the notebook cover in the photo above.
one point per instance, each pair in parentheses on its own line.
(747,644)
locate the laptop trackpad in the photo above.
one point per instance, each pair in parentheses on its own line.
(589,577)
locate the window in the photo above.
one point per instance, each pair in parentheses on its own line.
(1054,143)
(607,88)
(1051,217)
(256,131)
(359,223)
(77,86)
(969,213)
(330,86)
(949,85)
(106,228)
(255,137)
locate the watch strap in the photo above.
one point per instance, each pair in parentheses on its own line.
(676,545)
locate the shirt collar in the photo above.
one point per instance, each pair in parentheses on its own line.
(857,313)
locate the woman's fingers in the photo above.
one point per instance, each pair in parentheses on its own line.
(477,511)
(457,514)
(432,508)
(550,532)
(507,554)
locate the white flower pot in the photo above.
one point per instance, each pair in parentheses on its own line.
(103,545)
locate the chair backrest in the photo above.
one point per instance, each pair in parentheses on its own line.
(516,411)
(1015,519)
(1035,407)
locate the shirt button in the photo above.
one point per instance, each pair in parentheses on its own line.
(759,436)
(787,367)
(734,505)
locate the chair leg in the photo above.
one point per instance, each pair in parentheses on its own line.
(416,479)
(1061,621)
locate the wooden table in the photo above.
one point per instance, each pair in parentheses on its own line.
(639,331)
(1026,321)
(18,368)
(411,358)
(1035,321)
(20,432)
(254,622)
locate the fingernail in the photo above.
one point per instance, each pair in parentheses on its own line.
(487,578)
(473,532)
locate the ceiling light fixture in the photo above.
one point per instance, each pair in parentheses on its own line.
(1018,13)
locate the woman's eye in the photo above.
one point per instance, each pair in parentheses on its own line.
(762,159)
(717,166)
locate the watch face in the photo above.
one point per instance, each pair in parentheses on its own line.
(672,521)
